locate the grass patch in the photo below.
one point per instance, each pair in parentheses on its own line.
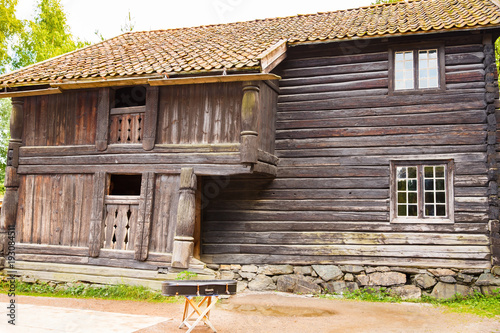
(477,304)
(80,290)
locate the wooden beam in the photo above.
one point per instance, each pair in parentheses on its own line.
(102,83)
(150,118)
(186,220)
(145,217)
(96,219)
(101,140)
(27,93)
(213,79)
(250,109)
(273,56)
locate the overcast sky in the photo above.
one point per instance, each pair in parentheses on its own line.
(85,17)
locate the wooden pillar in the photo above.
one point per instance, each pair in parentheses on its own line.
(103,106)
(150,118)
(186,215)
(10,200)
(250,110)
(97,214)
(143,230)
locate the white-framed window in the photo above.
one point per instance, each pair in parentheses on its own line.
(416,69)
(422,191)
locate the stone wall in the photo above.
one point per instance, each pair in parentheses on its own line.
(404,282)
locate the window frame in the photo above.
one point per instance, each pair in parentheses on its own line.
(450,197)
(415,48)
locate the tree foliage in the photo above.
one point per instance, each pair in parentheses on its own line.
(47,36)
(9,26)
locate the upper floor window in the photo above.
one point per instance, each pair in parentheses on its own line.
(419,69)
(422,191)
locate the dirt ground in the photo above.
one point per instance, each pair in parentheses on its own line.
(279,312)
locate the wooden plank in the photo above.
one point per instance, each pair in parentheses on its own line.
(127,110)
(29,93)
(109,226)
(150,118)
(96,220)
(212,79)
(145,212)
(101,139)
(46,205)
(79,203)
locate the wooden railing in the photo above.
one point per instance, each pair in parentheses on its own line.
(120,222)
(126,125)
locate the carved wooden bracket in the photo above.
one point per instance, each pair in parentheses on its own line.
(250,109)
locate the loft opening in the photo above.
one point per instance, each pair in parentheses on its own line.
(130,96)
(125,184)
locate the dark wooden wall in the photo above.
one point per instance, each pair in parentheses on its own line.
(337,131)
(54,209)
(199,113)
(63,119)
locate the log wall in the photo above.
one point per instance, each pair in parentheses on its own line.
(338,129)
(54,209)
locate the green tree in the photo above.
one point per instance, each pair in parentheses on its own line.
(4,138)
(47,36)
(9,26)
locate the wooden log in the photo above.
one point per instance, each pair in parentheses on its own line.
(145,213)
(150,118)
(250,109)
(495,242)
(96,220)
(101,140)
(186,219)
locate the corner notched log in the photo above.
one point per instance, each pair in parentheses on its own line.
(186,214)
(250,110)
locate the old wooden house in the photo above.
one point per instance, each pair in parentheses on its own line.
(356,137)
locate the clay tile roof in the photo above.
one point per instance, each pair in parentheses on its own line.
(236,46)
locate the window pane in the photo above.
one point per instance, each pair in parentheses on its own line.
(429,210)
(412,172)
(412,197)
(440,210)
(401,172)
(440,197)
(429,172)
(428,69)
(412,210)
(402,185)
(401,197)
(440,171)
(412,185)
(429,197)
(429,184)
(402,210)
(439,184)
(403,70)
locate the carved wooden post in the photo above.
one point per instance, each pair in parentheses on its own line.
(97,214)
(150,118)
(9,206)
(250,109)
(101,136)
(186,214)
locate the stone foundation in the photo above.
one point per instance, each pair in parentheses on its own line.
(407,283)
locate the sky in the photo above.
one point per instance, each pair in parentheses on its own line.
(85,17)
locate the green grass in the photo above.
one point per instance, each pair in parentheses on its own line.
(477,304)
(112,292)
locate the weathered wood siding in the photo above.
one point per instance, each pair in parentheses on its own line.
(200,113)
(54,209)
(62,119)
(338,128)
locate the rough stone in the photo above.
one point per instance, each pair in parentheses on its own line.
(363,280)
(425,281)
(249,269)
(351,286)
(349,277)
(496,270)
(235,267)
(241,285)
(247,275)
(261,282)
(328,272)
(447,279)
(386,279)
(226,275)
(447,291)
(302,270)
(225,267)
(275,269)
(382,269)
(353,269)
(214,267)
(489,290)
(406,292)
(473,271)
(465,278)
(442,272)
(335,287)
(488,279)
(407,270)
(297,284)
